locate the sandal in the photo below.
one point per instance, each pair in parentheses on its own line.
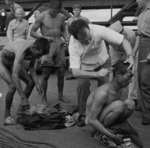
(146,121)
(81,121)
(10,121)
(138,108)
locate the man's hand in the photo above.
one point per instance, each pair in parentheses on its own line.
(118,139)
(130,60)
(103,72)
(50,39)
(39,90)
(148,58)
(25,104)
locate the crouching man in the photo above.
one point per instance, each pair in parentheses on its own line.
(104,107)
(11,70)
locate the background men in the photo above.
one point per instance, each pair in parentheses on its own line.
(117,52)
(18,28)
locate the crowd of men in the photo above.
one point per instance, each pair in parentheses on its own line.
(113,67)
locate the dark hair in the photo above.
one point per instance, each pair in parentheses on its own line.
(77,26)
(43,44)
(121,67)
(57,4)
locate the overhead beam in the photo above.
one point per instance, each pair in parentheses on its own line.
(94,4)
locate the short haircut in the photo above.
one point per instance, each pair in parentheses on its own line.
(43,44)
(76,6)
(77,26)
(121,67)
(56,4)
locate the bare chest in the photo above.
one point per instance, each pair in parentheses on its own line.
(52,23)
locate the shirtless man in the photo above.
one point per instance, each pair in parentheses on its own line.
(52,25)
(104,106)
(11,70)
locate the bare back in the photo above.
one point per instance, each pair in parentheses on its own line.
(13,49)
(51,26)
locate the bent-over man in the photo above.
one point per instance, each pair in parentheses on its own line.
(11,71)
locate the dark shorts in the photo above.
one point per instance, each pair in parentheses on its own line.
(56,58)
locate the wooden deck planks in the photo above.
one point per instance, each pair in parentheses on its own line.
(73,137)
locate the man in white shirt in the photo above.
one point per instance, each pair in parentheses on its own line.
(89,57)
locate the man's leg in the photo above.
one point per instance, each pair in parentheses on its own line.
(109,115)
(129,107)
(26,78)
(60,84)
(46,71)
(83,91)
(6,76)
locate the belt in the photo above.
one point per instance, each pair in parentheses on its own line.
(145,36)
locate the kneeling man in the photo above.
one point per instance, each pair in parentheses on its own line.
(11,70)
(104,107)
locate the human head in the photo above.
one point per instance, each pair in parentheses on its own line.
(40,47)
(76,10)
(19,13)
(122,75)
(7,2)
(81,31)
(117,26)
(55,7)
(143,3)
(36,13)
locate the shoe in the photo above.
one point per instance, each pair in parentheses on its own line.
(9,121)
(138,108)
(81,121)
(146,121)
(70,77)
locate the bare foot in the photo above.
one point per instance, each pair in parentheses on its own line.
(45,103)
(64,99)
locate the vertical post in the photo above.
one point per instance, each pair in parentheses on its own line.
(12,6)
(111,15)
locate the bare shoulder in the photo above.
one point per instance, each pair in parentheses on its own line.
(42,16)
(102,92)
(61,16)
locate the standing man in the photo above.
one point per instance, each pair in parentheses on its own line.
(89,57)
(13,7)
(77,15)
(143,45)
(18,28)
(117,52)
(52,25)
(11,71)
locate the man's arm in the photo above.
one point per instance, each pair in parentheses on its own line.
(36,26)
(128,49)
(95,113)
(64,33)
(135,49)
(10,32)
(89,74)
(34,75)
